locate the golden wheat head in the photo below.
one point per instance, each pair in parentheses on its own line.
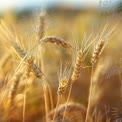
(97,52)
(56,40)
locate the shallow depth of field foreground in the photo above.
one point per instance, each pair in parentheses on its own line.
(61,65)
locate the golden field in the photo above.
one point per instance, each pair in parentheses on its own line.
(61,67)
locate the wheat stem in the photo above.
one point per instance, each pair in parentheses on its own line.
(69,93)
(58,102)
(89,99)
(51,96)
(24,101)
(46,100)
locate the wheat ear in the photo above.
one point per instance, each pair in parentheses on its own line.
(22,53)
(97,52)
(34,68)
(29,65)
(41,25)
(13,88)
(62,86)
(56,40)
(78,66)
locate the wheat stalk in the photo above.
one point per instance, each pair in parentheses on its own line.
(96,54)
(45,85)
(63,77)
(28,70)
(80,53)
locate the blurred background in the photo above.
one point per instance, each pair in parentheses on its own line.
(23,6)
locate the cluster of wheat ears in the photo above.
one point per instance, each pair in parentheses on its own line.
(65,74)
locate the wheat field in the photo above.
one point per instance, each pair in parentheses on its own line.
(57,67)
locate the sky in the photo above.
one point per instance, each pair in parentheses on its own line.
(22,4)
